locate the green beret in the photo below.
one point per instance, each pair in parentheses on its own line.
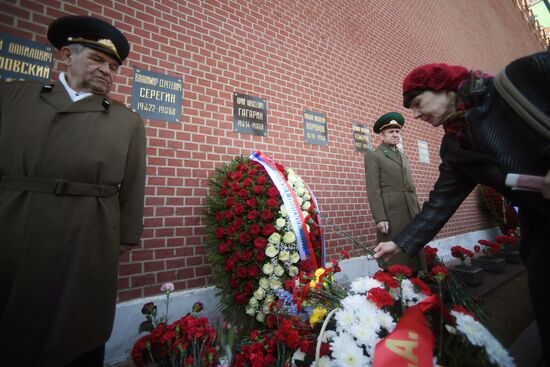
(90,32)
(393,120)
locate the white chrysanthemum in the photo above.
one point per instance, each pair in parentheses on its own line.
(282,211)
(275,283)
(364,284)
(300,201)
(293,271)
(410,296)
(279,270)
(251,311)
(271,250)
(264,283)
(253,302)
(478,335)
(300,191)
(267,268)
(328,336)
(340,340)
(354,303)
(350,355)
(280,223)
(294,257)
(289,237)
(269,299)
(364,334)
(259,293)
(266,308)
(284,255)
(322,362)
(304,213)
(260,316)
(275,238)
(344,319)
(386,320)
(369,317)
(306,205)
(307,196)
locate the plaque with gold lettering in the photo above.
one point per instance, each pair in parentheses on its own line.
(157,96)
(22,59)
(315,128)
(249,114)
(361,137)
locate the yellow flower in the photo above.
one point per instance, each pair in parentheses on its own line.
(317,315)
(318,273)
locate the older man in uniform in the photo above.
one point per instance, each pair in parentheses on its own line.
(391,193)
(72,172)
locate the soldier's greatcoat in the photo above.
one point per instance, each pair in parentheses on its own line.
(59,253)
(392,195)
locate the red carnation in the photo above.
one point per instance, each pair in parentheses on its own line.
(252,215)
(220,232)
(386,278)
(260,243)
(242,273)
(229,202)
(254,229)
(261,180)
(252,202)
(244,237)
(237,176)
(272,192)
(380,297)
(247,182)
(400,270)
(268,229)
(243,194)
(238,209)
(421,286)
(258,189)
(272,203)
(267,215)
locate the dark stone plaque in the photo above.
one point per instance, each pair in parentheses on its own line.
(21,59)
(157,96)
(361,137)
(315,128)
(249,114)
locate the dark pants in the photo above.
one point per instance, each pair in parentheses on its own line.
(93,358)
(535,252)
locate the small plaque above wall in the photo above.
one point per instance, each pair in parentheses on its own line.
(315,128)
(361,137)
(249,114)
(21,59)
(157,96)
(423,151)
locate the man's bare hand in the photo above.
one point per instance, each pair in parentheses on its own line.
(383,226)
(385,250)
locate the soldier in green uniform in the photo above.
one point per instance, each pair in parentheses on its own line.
(390,190)
(72,175)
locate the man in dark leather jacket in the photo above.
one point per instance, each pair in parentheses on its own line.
(485,139)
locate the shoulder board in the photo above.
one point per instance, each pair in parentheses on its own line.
(114,104)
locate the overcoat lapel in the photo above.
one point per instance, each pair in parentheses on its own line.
(389,154)
(58,98)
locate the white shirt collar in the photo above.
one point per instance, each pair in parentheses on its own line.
(75,96)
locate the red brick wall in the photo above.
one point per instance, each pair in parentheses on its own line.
(343,58)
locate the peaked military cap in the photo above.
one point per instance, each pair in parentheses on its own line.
(90,32)
(393,120)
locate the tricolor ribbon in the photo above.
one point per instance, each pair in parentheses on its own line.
(290,201)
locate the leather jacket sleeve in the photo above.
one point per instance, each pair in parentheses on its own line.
(449,192)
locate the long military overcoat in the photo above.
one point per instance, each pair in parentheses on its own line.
(59,253)
(392,195)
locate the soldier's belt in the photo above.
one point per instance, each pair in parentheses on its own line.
(58,186)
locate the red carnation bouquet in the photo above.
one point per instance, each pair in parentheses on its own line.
(263,228)
(461,253)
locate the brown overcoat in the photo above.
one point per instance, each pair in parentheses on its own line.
(59,253)
(392,195)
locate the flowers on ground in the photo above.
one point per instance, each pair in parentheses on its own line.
(461,253)
(489,248)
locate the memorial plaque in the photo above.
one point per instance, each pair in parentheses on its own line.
(157,96)
(361,137)
(423,151)
(249,114)
(315,128)
(21,59)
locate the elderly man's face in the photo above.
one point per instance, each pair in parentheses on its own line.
(390,136)
(90,70)
(433,107)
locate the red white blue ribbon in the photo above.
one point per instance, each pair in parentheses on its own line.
(290,200)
